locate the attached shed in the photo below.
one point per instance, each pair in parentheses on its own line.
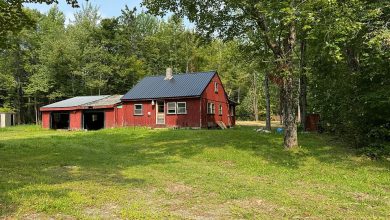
(7,119)
(83,112)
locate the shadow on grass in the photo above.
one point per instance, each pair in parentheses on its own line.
(101,156)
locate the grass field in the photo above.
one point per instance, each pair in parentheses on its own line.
(138,173)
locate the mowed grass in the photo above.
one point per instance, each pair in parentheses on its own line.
(138,173)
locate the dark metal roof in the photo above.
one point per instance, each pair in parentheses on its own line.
(75,101)
(182,85)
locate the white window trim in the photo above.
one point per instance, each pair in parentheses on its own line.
(142,109)
(170,113)
(212,108)
(185,108)
(216,87)
(220,109)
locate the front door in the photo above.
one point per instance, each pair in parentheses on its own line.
(160,113)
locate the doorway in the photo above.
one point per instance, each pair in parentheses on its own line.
(93,120)
(59,120)
(160,113)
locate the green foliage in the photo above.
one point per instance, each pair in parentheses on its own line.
(5,109)
(350,71)
(13,17)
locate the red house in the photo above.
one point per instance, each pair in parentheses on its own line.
(196,100)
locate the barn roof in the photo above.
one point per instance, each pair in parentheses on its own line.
(75,101)
(182,85)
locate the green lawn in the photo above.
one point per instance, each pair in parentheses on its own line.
(140,173)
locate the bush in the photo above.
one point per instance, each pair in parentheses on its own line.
(376,151)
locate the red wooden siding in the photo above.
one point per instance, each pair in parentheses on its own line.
(119,116)
(75,119)
(191,119)
(113,117)
(219,98)
(46,119)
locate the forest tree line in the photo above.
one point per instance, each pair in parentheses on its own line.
(341,62)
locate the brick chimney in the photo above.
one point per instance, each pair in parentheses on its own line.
(168,74)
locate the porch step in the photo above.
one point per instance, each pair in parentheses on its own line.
(221,124)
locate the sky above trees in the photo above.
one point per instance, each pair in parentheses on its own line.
(107,9)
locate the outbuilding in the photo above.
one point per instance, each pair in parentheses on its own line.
(196,100)
(83,112)
(7,119)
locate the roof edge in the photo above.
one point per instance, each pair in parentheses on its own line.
(176,97)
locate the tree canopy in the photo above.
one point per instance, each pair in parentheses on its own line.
(325,57)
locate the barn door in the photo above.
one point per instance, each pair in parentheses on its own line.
(160,113)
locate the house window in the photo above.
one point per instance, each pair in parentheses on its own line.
(181,108)
(210,108)
(138,109)
(171,108)
(220,109)
(215,87)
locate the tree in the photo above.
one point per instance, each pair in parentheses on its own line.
(350,70)
(267,102)
(13,17)
(274,21)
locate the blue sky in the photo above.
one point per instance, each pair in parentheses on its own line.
(107,8)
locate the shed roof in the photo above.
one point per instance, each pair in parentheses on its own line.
(110,100)
(75,101)
(182,85)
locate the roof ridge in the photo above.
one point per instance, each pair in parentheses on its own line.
(75,101)
(88,96)
(181,74)
(104,97)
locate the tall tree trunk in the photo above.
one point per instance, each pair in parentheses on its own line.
(36,110)
(290,91)
(19,102)
(303,85)
(284,62)
(289,113)
(238,98)
(267,103)
(255,107)
(303,100)
(281,95)
(19,86)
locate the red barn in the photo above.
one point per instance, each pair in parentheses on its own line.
(83,112)
(196,100)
